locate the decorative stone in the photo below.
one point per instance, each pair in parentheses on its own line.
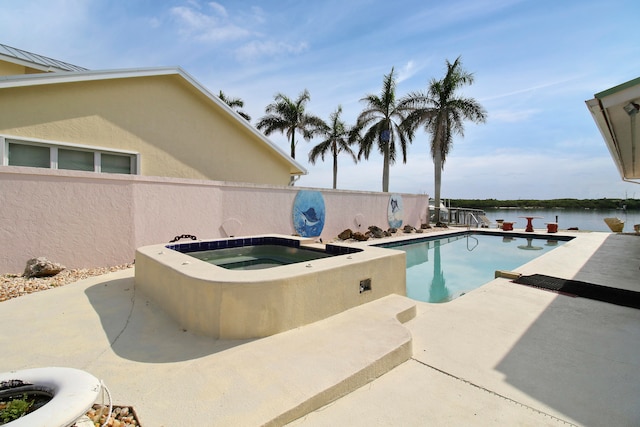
(42,267)
(392,230)
(441,225)
(359,236)
(346,234)
(424,226)
(408,229)
(376,232)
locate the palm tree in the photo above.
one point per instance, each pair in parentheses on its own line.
(381,123)
(442,112)
(288,116)
(336,135)
(235,104)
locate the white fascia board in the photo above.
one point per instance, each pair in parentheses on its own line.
(621,97)
(81,76)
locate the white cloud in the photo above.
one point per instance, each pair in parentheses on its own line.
(217,7)
(214,27)
(504,175)
(408,71)
(519,87)
(260,48)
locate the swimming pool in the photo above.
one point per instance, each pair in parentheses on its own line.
(257,257)
(442,269)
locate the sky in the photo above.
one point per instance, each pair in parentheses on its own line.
(534,64)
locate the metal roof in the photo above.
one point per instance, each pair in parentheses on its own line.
(33,60)
(616,112)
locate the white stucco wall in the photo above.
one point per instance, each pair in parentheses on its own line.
(83,219)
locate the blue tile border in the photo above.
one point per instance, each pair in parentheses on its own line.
(254,241)
(341,250)
(235,243)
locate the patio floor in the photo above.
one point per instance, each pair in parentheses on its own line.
(502,354)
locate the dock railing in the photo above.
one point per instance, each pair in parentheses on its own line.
(465,217)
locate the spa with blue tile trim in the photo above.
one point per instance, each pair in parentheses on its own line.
(224,303)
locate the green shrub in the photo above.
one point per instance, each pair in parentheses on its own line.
(14,409)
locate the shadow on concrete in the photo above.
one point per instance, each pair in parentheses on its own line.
(580,356)
(139,330)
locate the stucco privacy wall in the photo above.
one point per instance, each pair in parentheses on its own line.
(83,219)
(67,217)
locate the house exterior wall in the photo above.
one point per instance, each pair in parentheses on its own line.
(177,130)
(11,69)
(84,219)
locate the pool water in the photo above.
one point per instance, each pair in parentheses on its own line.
(441,270)
(257,257)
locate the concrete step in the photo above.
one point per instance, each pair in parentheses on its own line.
(285,376)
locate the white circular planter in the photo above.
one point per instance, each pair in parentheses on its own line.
(74,392)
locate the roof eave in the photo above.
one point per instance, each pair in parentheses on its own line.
(604,126)
(619,127)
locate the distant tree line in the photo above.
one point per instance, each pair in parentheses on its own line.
(629,204)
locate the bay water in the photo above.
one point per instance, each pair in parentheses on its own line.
(584,219)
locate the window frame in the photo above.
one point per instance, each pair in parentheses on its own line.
(53,146)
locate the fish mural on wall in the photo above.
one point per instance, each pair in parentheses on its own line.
(395,212)
(308,213)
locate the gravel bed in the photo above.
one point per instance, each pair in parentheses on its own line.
(14,285)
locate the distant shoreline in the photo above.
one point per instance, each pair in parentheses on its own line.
(604,204)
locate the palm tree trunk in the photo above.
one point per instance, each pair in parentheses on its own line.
(293,145)
(385,169)
(335,170)
(437,165)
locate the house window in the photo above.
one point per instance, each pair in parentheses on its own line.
(75,160)
(115,163)
(51,155)
(29,155)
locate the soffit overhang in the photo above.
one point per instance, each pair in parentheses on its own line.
(616,112)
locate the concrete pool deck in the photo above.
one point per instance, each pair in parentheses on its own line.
(503,354)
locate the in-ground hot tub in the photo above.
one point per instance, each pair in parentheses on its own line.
(267,254)
(297,282)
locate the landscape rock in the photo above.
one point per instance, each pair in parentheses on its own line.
(408,229)
(346,234)
(375,231)
(359,236)
(41,267)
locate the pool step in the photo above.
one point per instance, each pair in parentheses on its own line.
(302,370)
